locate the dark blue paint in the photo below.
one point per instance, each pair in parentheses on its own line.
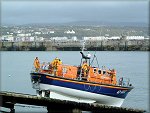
(84,87)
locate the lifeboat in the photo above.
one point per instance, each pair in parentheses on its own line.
(83,83)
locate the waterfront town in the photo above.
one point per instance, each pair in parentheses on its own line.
(71,38)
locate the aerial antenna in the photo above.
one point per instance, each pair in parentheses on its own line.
(95,57)
(83,45)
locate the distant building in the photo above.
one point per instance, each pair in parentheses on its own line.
(37,33)
(39,39)
(23,39)
(135,37)
(8,38)
(114,38)
(59,38)
(19,31)
(31,39)
(51,32)
(146,38)
(69,32)
(94,38)
(45,32)
(23,35)
(74,38)
(18,39)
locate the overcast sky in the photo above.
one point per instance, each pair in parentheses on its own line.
(26,12)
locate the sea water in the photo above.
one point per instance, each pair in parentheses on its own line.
(16,67)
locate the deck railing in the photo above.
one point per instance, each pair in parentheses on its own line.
(123,81)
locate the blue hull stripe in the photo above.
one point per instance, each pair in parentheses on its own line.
(109,91)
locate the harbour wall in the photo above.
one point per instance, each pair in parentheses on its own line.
(101,45)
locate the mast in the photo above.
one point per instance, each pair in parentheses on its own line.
(83,45)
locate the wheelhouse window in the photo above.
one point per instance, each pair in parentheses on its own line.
(94,70)
(104,72)
(99,71)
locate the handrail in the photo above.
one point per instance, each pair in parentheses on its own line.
(123,81)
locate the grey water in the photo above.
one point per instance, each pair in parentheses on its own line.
(16,66)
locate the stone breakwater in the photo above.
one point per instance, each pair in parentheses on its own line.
(101,45)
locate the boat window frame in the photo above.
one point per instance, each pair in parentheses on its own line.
(99,71)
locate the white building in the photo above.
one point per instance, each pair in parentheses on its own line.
(135,37)
(19,31)
(23,39)
(94,38)
(114,38)
(51,32)
(146,38)
(70,32)
(31,39)
(37,33)
(19,39)
(74,38)
(9,38)
(41,39)
(59,38)
(23,35)
(45,32)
